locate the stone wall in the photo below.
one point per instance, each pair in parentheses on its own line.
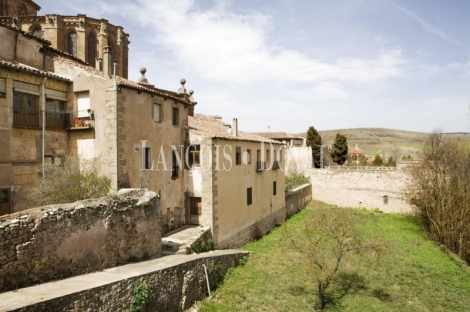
(368,187)
(296,200)
(175,283)
(58,241)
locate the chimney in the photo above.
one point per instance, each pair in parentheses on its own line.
(235,127)
(98,63)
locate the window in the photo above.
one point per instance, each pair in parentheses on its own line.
(91,49)
(260,163)
(194,155)
(238,155)
(37,32)
(72,43)
(55,114)
(196,206)
(248,156)
(274,188)
(147,158)
(3,87)
(83,104)
(25,109)
(249,196)
(174,165)
(157,112)
(175,116)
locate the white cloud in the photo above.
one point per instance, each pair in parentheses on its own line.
(221,45)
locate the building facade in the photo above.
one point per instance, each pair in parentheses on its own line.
(97,42)
(235,181)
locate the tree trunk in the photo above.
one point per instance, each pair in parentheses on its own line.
(321,297)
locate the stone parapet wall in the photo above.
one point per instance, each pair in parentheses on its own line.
(175,283)
(298,199)
(59,241)
(365,188)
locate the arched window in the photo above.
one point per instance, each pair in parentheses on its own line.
(91,49)
(72,43)
(37,32)
(1,7)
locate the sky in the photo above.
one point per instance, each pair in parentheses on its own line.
(286,65)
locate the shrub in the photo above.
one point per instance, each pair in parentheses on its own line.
(68,183)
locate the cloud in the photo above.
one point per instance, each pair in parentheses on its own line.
(426,25)
(219,44)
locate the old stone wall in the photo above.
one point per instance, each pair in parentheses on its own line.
(366,187)
(298,199)
(174,285)
(58,241)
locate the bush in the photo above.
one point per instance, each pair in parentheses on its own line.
(295,179)
(68,183)
(440,189)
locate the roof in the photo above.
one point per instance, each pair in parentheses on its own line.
(73,61)
(26,34)
(278,135)
(215,128)
(32,70)
(355,150)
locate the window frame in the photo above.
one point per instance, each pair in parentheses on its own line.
(238,155)
(175,116)
(160,112)
(72,43)
(147,158)
(249,196)
(91,49)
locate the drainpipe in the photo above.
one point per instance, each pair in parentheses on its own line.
(43,113)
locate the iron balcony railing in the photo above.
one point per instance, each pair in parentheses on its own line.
(55,120)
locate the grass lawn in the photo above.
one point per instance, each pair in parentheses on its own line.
(415,276)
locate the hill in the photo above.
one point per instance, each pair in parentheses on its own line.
(382,141)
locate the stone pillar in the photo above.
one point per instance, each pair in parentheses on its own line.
(81,38)
(107,62)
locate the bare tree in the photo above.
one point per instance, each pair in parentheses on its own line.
(325,241)
(440,189)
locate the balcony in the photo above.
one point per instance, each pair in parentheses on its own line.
(260,166)
(26,118)
(81,120)
(55,120)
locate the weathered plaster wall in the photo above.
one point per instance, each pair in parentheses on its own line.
(295,200)
(58,241)
(298,158)
(136,124)
(174,285)
(368,187)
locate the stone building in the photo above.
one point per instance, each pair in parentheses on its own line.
(235,181)
(95,41)
(119,125)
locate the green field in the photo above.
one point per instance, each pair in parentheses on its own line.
(415,275)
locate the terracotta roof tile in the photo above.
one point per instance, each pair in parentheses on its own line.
(215,128)
(33,70)
(278,135)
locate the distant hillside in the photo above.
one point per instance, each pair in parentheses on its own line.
(381,141)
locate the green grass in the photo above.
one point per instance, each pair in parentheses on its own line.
(415,276)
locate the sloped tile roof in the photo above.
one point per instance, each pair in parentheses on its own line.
(215,128)
(25,68)
(278,135)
